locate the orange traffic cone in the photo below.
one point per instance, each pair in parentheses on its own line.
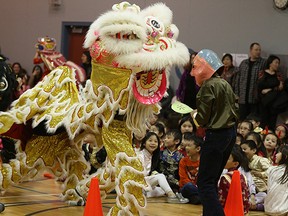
(234,202)
(93,205)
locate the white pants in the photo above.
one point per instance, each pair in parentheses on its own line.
(155,180)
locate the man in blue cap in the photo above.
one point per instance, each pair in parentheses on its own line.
(216,111)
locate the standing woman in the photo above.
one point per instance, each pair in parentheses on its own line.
(86,63)
(17,68)
(37,73)
(187,89)
(270,85)
(230,71)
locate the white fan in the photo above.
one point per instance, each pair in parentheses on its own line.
(182,108)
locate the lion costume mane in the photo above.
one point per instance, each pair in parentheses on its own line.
(132,52)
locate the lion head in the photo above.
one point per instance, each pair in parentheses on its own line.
(143,41)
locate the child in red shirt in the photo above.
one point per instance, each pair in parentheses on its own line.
(236,159)
(188,168)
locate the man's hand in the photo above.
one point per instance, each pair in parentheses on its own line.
(265,91)
(193,113)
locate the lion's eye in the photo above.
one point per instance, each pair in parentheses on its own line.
(3,84)
(155,24)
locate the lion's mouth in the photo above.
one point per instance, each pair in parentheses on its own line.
(148,82)
(125,36)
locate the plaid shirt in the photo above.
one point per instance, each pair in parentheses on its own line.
(242,80)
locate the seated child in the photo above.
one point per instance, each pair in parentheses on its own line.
(239,139)
(237,157)
(256,121)
(186,124)
(170,158)
(258,166)
(188,168)
(149,155)
(256,137)
(159,129)
(245,170)
(276,201)
(245,127)
(271,143)
(281,130)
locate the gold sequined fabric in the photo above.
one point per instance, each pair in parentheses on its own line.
(56,153)
(57,100)
(123,171)
(117,139)
(52,99)
(111,87)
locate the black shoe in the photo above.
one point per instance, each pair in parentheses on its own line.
(195,200)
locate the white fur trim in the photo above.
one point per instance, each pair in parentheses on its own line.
(1,181)
(159,10)
(178,55)
(8,169)
(110,20)
(175,31)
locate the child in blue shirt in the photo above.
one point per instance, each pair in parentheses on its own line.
(170,158)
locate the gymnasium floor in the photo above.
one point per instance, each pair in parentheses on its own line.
(41,198)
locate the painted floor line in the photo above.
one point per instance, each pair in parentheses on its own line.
(31,203)
(27,189)
(32,195)
(46,210)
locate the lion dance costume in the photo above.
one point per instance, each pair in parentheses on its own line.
(47,54)
(132,52)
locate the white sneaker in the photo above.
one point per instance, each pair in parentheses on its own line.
(177,199)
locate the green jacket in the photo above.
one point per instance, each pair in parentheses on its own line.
(216,104)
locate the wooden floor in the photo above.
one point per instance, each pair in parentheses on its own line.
(41,198)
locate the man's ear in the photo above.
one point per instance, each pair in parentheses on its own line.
(254,151)
(198,149)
